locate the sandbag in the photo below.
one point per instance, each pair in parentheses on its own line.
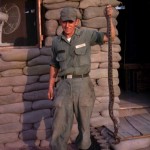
(61,5)
(87,3)
(92,12)
(52,1)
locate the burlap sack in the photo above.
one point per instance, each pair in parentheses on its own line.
(55,14)
(52,1)
(92,12)
(87,3)
(61,5)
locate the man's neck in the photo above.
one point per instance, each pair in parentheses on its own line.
(68,35)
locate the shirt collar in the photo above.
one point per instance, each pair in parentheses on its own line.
(77,32)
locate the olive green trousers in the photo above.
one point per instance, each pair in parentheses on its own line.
(73,97)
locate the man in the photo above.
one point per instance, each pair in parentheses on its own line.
(74,92)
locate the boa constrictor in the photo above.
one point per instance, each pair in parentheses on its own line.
(110,82)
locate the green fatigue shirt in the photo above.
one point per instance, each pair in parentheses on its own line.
(74,57)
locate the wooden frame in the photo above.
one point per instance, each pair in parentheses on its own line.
(39,27)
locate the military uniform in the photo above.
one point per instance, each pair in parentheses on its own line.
(74,92)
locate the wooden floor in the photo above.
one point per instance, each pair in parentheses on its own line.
(138,125)
(131,127)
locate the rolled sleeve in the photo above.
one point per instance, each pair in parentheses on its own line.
(95,37)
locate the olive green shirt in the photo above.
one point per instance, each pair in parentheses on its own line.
(74,57)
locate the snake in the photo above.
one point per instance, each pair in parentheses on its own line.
(110,83)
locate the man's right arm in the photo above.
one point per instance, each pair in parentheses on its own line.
(52,80)
(108,14)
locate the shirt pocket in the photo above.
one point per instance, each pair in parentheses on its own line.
(82,56)
(61,58)
(80,51)
(61,55)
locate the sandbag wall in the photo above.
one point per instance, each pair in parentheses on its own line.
(25,113)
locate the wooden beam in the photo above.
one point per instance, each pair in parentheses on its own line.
(39,27)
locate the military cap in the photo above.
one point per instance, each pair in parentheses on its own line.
(68,13)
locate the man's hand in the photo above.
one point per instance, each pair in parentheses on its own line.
(108,11)
(53,74)
(51,93)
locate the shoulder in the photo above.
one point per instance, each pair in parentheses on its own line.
(88,30)
(56,40)
(83,31)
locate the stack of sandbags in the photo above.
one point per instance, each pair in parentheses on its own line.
(25,111)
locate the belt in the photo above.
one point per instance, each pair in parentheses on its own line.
(70,76)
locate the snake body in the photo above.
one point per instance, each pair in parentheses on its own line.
(110,82)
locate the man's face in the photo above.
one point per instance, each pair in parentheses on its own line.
(69,27)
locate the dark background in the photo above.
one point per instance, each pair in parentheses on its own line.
(134,29)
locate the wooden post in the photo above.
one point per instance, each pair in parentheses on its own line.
(39,28)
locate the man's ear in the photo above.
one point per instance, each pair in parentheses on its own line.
(77,22)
